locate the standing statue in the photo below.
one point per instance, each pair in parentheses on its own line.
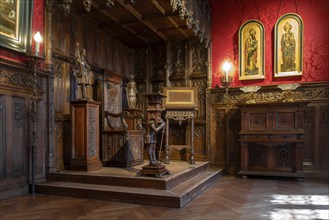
(81,71)
(251,46)
(288,45)
(154,126)
(131,93)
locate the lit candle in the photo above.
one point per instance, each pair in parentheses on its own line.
(38,39)
(226,68)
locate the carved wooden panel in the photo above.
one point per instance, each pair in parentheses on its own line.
(323,135)
(113,100)
(122,148)
(258,156)
(14,159)
(309,126)
(257,121)
(199,140)
(284,157)
(16,128)
(200,84)
(199,57)
(2,136)
(85,136)
(285,120)
(178,60)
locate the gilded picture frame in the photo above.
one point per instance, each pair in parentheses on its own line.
(179,98)
(251,50)
(288,48)
(15,24)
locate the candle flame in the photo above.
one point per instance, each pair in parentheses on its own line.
(37,37)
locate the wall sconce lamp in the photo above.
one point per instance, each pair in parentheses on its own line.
(226,79)
(34,64)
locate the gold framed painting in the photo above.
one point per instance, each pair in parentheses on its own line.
(180,97)
(15,24)
(251,50)
(288,49)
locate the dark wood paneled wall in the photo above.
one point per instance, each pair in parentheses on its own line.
(179,64)
(225,116)
(109,59)
(16,86)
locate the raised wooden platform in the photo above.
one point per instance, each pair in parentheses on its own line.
(185,182)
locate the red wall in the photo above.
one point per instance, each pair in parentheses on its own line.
(37,25)
(228,16)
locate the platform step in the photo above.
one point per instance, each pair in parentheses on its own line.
(180,172)
(178,196)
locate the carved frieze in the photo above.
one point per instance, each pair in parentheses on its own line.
(249,98)
(316,93)
(20,79)
(305,92)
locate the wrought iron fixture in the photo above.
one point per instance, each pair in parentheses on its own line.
(34,64)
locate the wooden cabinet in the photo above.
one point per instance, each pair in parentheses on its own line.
(85,136)
(272,139)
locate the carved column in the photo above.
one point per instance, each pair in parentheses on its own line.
(209,80)
(50,164)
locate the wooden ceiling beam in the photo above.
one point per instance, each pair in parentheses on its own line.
(157,16)
(140,18)
(171,28)
(150,17)
(158,6)
(107,14)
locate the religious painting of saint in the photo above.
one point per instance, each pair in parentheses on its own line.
(288,48)
(251,50)
(15,24)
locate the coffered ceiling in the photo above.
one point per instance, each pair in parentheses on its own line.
(138,22)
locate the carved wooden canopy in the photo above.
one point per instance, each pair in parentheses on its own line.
(146,22)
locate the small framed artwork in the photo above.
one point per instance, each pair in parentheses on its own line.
(15,24)
(179,97)
(251,50)
(288,49)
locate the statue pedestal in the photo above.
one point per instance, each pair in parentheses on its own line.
(85,136)
(156,171)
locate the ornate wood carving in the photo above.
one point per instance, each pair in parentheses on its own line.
(85,136)
(272,139)
(199,58)
(178,61)
(316,93)
(20,79)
